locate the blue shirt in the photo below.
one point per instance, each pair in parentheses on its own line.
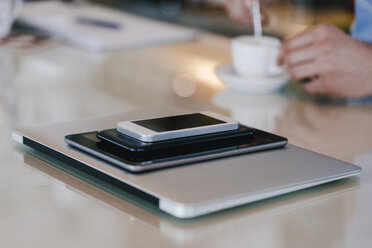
(362,29)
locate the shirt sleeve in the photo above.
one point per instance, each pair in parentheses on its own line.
(362,29)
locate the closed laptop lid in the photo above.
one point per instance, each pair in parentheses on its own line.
(199,188)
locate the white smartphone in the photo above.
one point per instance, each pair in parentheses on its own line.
(178,126)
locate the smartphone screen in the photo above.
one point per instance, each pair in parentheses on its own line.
(172,123)
(173,127)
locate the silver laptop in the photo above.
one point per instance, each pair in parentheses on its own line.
(197,188)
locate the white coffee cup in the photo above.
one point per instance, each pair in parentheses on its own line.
(256,56)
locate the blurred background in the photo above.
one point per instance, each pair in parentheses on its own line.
(180,74)
(210,15)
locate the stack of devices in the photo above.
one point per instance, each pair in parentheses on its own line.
(221,168)
(140,145)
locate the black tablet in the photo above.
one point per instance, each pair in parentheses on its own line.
(177,155)
(219,139)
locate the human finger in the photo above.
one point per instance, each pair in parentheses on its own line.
(245,16)
(315,86)
(307,37)
(304,54)
(280,59)
(309,70)
(233,8)
(227,5)
(247,3)
(301,40)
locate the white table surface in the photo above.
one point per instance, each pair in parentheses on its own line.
(41,206)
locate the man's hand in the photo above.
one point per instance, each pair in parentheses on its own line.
(330,61)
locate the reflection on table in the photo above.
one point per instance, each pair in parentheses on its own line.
(319,213)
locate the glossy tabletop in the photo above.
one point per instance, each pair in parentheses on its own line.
(43,206)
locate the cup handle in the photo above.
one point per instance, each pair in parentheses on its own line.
(274,69)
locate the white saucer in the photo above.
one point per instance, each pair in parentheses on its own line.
(251,84)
